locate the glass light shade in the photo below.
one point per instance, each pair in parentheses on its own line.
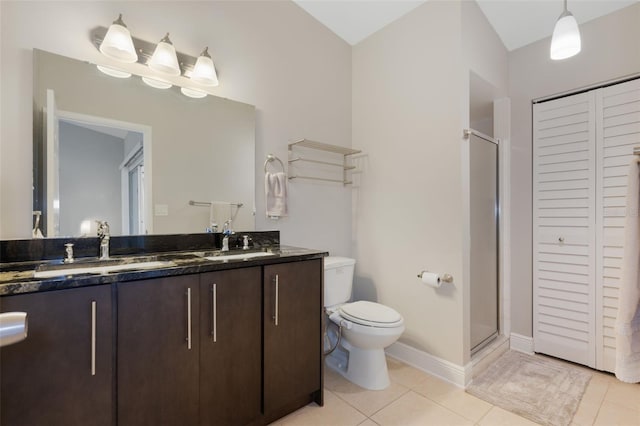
(158,84)
(192,93)
(565,42)
(204,72)
(113,72)
(117,43)
(164,58)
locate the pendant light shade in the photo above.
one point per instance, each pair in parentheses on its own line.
(164,58)
(565,41)
(204,72)
(117,43)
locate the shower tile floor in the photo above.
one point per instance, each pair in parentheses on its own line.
(417,398)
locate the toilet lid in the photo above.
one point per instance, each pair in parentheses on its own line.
(370,313)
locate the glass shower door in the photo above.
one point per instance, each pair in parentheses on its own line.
(484,241)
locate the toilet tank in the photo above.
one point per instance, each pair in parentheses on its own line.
(338,279)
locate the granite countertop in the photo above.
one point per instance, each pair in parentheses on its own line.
(19,277)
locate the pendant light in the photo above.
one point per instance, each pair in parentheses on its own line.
(204,72)
(565,41)
(117,43)
(164,58)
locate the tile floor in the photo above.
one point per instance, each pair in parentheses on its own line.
(416,398)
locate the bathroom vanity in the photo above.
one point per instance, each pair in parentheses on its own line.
(203,342)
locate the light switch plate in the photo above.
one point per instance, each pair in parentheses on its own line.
(161,210)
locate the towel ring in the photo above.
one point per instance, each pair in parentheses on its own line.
(271,158)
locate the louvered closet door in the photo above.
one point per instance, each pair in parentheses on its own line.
(563,228)
(618,132)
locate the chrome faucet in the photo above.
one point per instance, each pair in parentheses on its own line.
(103,234)
(226,231)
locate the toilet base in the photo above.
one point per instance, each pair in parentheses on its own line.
(364,367)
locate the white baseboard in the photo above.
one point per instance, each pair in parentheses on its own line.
(453,373)
(521,343)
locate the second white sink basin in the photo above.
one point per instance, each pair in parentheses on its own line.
(103,269)
(242,256)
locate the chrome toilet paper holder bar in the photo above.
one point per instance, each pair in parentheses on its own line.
(447,278)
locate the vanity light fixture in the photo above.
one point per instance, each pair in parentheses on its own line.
(165,66)
(204,72)
(164,58)
(565,41)
(117,43)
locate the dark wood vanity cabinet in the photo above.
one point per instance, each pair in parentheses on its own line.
(292,322)
(57,376)
(230,346)
(158,351)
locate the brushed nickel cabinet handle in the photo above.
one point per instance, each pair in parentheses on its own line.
(94,306)
(189,318)
(275,317)
(214,317)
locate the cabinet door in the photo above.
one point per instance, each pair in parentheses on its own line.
(230,346)
(158,351)
(292,335)
(55,376)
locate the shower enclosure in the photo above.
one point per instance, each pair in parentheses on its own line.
(484,204)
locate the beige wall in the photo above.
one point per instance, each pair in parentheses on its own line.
(410,104)
(610,49)
(269,54)
(406,116)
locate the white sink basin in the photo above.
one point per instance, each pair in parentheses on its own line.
(104,269)
(243,256)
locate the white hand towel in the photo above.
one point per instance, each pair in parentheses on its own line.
(628,321)
(275,187)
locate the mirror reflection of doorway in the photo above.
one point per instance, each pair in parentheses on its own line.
(101,177)
(97,167)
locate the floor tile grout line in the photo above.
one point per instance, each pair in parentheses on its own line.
(484,415)
(382,408)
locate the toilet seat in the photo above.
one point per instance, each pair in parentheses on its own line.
(371,314)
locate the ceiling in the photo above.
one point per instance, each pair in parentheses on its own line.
(517,22)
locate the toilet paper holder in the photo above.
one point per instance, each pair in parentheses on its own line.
(447,278)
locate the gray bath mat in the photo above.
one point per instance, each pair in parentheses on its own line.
(541,389)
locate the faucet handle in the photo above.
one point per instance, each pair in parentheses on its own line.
(103,228)
(68,248)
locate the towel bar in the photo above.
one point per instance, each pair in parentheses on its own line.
(208,203)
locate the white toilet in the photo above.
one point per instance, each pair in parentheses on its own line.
(367,328)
